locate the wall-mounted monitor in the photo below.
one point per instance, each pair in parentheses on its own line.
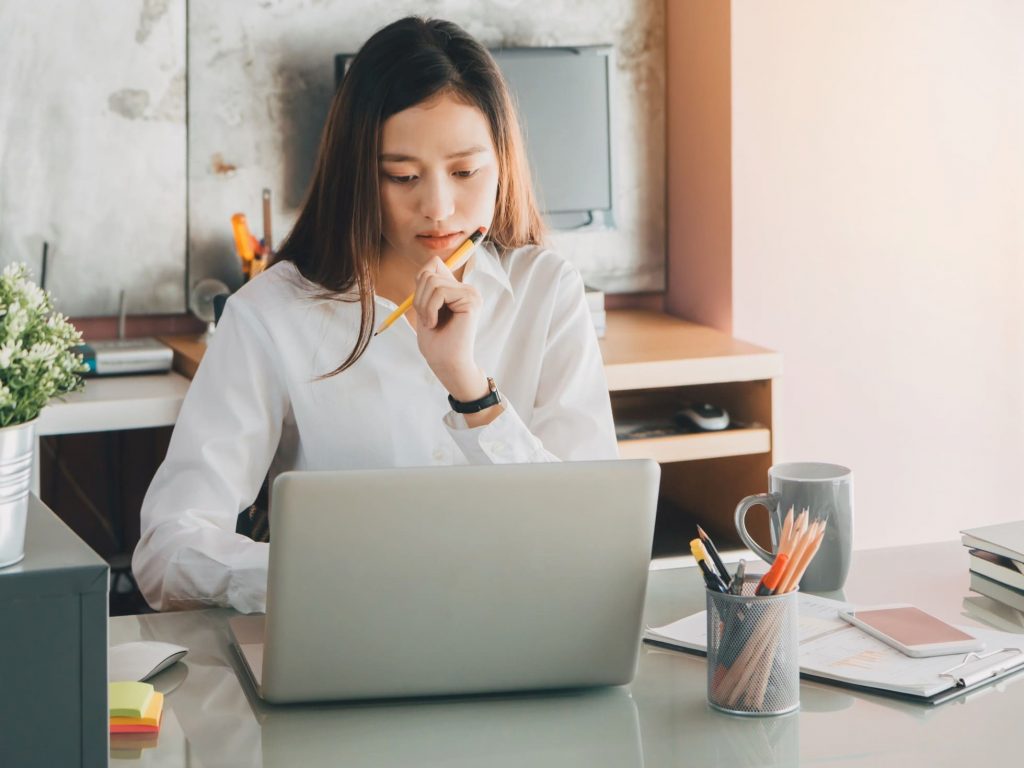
(564,103)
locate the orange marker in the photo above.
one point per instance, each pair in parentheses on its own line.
(243,242)
(770,581)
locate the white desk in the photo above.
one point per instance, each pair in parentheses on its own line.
(111,404)
(661,719)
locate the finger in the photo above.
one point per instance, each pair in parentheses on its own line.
(426,284)
(467,300)
(443,296)
(435,273)
(441,268)
(458,298)
(436,267)
(427,279)
(434,302)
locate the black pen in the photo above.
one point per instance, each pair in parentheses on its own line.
(709,545)
(42,271)
(713,580)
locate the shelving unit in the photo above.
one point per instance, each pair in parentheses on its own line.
(715,445)
(647,350)
(654,363)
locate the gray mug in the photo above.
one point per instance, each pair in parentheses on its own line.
(826,490)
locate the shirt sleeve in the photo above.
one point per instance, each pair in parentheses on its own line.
(223,442)
(572,415)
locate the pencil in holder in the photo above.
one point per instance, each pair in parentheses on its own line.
(753,652)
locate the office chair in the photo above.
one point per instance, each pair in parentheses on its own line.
(254,522)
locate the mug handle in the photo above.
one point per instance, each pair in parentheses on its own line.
(768,500)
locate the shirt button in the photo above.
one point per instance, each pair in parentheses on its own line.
(439,455)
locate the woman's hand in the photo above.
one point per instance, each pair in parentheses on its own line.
(446,320)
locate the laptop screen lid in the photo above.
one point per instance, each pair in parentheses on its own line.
(468,579)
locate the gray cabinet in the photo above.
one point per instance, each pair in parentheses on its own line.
(53,649)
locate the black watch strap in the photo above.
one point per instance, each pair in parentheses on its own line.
(474,406)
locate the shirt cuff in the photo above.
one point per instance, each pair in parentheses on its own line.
(247,591)
(506,440)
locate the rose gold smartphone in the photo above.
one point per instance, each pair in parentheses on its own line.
(912,631)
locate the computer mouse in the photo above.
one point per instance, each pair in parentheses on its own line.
(141,660)
(704,416)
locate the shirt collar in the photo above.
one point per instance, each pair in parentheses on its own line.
(486,262)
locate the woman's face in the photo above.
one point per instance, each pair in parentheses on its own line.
(439,178)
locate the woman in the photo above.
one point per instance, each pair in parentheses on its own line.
(421,148)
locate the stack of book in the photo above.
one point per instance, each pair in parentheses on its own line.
(135,712)
(997,562)
(595,300)
(994,613)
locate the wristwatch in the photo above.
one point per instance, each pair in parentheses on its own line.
(474,406)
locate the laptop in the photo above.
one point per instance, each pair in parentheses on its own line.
(431,581)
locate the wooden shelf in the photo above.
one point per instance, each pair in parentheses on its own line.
(188,353)
(641,350)
(648,350)
(707,445)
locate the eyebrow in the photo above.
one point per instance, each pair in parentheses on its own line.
(400,158)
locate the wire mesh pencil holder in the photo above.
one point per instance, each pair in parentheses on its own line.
(753,652)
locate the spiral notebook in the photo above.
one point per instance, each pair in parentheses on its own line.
(833,651)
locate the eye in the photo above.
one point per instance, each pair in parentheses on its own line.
(400,179)
(466,174)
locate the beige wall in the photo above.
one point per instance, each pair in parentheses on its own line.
(878,232)
(699,161)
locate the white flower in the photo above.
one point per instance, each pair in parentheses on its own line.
(43,351)
(34,296)
(17,322)
(7,353)
(31,376)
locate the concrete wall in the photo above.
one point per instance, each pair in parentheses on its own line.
(878,242)
(93,131)
(92,150)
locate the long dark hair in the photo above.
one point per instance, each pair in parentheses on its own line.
(336,240)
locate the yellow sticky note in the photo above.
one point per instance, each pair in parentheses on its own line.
(128,699)
(150,717)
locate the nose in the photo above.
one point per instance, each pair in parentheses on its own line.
(437,200)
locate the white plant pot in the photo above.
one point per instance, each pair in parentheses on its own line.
(17,444)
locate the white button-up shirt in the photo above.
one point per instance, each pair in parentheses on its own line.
(256,405)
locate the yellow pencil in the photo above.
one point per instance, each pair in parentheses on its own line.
(453,263)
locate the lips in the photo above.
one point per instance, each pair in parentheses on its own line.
(439,241)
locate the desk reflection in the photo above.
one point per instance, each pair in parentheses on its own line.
(594,729)
(696,736)
(215,718)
